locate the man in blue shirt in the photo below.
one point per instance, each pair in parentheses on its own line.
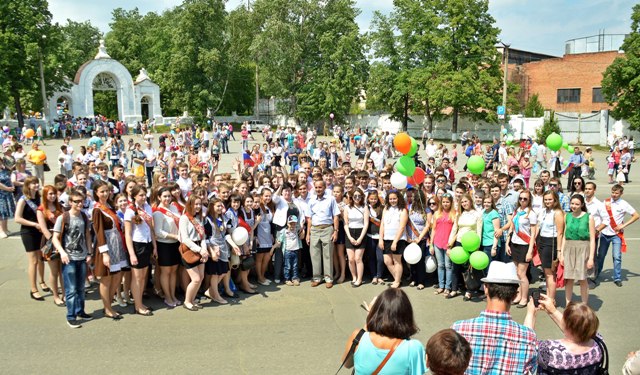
(578,160)
(322,232)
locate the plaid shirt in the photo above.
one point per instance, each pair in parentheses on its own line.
(499,345)
(504,208)
(564,202)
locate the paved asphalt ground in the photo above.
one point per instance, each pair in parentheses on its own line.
(282,330)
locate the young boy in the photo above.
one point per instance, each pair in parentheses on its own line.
(288,240)
(448,353)
(72,239)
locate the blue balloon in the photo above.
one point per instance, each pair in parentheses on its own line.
(209,122)
(504,131)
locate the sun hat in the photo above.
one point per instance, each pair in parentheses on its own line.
(501,273)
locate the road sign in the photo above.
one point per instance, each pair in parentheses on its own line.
(500,117)
(501,110)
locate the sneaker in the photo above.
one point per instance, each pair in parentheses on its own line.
(74,324)
(289,282)
(296,282)
(618,283)
(85,316)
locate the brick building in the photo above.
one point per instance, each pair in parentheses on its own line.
(571,83)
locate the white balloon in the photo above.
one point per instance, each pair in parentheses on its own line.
(240,236)
(432,266)
(412,253)
(398,180)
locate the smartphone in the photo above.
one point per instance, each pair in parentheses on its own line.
(535,293)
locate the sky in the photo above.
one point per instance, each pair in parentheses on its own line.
(540,26)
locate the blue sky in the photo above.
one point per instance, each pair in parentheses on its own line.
(536,25)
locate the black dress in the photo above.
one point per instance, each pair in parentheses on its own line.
(31,237)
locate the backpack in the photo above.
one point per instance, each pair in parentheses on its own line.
(468,151)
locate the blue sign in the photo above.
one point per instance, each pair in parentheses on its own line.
(501,110)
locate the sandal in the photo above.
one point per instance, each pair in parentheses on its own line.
(420,287)
(374,282)
(394,285)
(453,294)
(467,296)
(44,287)
(144,312)
(439,291)
(412,284)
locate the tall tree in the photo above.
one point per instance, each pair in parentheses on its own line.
(28,40)
(337,68)
(79,45)
(620,84)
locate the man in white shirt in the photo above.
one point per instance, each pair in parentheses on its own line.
(598,212)
(150,156)
(322,232)
(184,181)
(613,233)
(430,149)
(377,157)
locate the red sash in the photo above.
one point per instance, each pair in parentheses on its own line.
(197,225)
(527,238)
(178,206)
(143,214)
(166,212)
(607,205)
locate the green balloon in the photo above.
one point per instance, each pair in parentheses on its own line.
(475,164)
(565,144)
(554,141)
(479,260)
(509,139)
(458,255)
(406,166)
(414,147)
(570,149)
(470,241)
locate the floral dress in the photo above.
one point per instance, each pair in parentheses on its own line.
(7,202)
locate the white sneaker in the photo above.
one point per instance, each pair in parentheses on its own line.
(266,282)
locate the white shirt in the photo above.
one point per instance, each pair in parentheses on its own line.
(142,231)
(378,159)
(619,209)
(597,211)
(150,153)
(431,150)
(185,186)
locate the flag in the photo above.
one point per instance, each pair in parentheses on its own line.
(567,169)
(248,162)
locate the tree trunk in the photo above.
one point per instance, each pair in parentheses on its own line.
(427,114)
(405,115)
(454,127)
(16,100)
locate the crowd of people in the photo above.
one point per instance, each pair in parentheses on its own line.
(163,217)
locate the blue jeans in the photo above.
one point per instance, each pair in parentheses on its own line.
(616,254)
(73,275)
(445,268)
(245,144)
(291,265)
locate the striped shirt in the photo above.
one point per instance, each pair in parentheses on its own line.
(499,345)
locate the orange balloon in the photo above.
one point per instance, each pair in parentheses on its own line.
(402,143)
(29,133)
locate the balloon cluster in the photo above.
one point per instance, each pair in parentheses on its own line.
(407,172)
(470,242)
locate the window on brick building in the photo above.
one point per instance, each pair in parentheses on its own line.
(568,95)
(597,95)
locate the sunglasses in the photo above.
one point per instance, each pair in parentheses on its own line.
(577,183)
(523,198)
(446,195)
(432,203)
(440,180)
(553,185)
(76,201)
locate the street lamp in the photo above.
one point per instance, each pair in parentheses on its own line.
(43,90)
(504,83)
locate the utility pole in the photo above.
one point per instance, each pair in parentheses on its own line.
(43,90)
(506,76)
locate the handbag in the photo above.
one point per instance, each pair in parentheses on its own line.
(234,261)
(603,367)
(48,250)
(247,263)
(189,256)
(46,167)
(472,279)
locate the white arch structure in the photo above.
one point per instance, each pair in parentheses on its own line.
(105,73)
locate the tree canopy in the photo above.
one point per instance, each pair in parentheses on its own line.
(621,81)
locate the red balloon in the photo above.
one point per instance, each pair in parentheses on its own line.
(417,178)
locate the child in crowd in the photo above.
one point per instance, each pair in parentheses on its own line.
(448,353)
(610,165)
(289,241)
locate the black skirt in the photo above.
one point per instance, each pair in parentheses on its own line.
(519,252)
(547,249)
(402,244)
(168,254)
(216,268)
(143,252)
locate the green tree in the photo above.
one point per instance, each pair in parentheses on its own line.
(533,108)
(550,126)
(620,84)
(79,45)
(28,39)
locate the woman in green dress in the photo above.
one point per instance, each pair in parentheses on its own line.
(578,248)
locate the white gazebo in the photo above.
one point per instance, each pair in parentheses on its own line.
(137,100)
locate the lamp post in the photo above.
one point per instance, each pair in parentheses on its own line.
(43,90)
(504,83)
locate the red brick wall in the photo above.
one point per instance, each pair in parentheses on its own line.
(583,71)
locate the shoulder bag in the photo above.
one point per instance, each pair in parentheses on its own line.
(603,367)
(189,256)
(352,349)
